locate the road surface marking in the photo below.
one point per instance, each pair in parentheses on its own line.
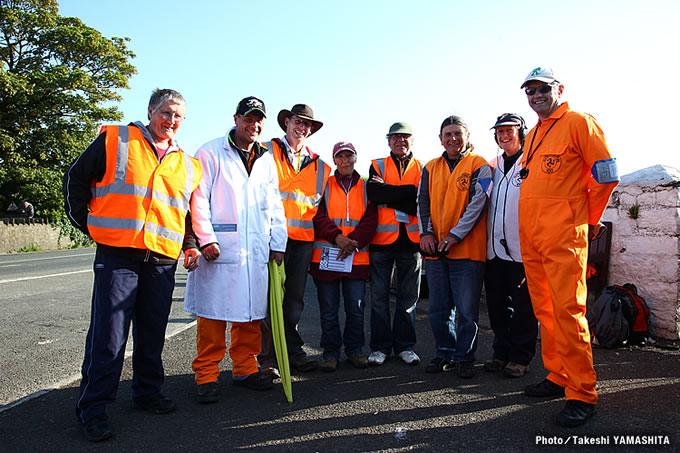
(43,276)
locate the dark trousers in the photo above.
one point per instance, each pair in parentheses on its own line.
(510,312)
(125,291)
(296,260)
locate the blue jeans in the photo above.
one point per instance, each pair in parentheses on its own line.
(455,289)
(399,335)
(328,293)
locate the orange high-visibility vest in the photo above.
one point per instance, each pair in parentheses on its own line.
(449,196)
(141,203)
(388,227)
(346,211)
(300,192)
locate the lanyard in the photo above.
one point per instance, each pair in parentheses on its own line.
(524,172)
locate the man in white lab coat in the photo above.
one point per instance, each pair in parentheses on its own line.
(239,223)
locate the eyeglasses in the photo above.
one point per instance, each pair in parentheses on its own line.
(299,122)
(543,89)
(169,116)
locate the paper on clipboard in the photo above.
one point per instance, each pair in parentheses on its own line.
(329,260)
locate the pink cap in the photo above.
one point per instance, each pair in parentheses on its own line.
(343,146)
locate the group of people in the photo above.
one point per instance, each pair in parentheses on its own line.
(518,225)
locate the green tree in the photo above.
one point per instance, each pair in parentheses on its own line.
(59,80)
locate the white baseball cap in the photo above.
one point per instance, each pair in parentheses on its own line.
(542,74)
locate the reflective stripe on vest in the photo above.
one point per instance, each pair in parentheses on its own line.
(352,208)
(388,227)
(129,214)
(119,186)
(299,202)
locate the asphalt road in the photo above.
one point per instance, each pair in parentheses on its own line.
(45,305)
(391,408)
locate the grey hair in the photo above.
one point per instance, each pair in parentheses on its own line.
(161,96)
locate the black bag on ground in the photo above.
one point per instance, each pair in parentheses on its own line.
(607,320)
(636,311)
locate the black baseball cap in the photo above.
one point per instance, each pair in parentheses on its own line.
(508,119)
(250,104)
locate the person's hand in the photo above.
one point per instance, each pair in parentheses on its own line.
(276,256)
(446,244)
(377,178)
(595,231)
(192,259)
(347,246)
(211,252)
(428,244)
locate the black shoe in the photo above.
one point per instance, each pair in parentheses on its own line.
(256,381)
(465,370)
(495,365)
(271,372)
(304,363)
(97,429)
(437,365)
(575,413)
(544,389)
(158,404)
(208,393)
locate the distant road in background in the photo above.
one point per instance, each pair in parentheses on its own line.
(45,304)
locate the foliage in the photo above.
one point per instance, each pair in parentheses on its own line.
(76,237)
(32,248)
(58,82)
(634,211)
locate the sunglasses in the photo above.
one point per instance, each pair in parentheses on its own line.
(543,89)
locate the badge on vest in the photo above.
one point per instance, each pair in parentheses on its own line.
(402,217)
(329,260)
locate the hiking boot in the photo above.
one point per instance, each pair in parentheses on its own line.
(437,365)
(329,364)
(575,413)
(358,361)
(255,381)
(208,393)
(495,365)
(409,357)
(465,370)
(515,370)
(544,389)
(97,429)
(377,358)
(304,363)
(158,404)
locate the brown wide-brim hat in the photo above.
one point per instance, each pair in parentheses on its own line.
(303,111)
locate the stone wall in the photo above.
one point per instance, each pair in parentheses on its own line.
(17,234)
(645,250)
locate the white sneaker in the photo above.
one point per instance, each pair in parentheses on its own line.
(377,358)
(409,357)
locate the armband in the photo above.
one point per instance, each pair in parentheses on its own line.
(605,171)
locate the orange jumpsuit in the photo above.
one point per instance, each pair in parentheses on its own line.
(560,196)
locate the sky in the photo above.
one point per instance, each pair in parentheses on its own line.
(363,65)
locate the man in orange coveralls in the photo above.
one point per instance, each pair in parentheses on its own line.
(569,176)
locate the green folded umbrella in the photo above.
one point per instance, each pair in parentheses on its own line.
(277,277)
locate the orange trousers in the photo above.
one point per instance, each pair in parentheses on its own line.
(555,255)
(246,342)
